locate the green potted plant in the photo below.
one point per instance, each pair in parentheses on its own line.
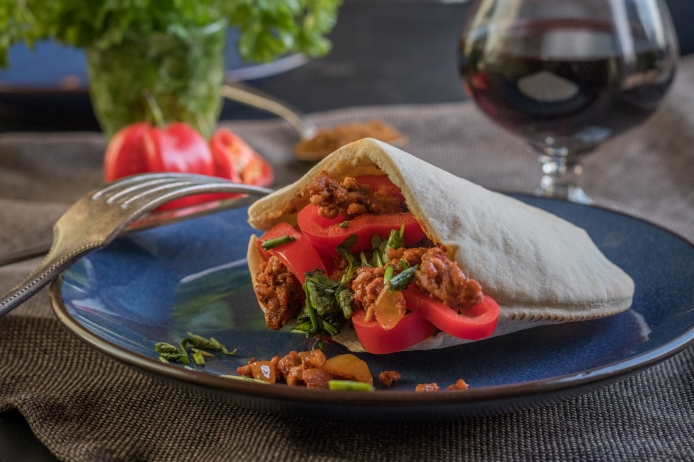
(161,61)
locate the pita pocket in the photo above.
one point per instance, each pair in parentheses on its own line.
(539,268)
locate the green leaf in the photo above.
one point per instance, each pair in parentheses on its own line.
(328,305)
(171,353)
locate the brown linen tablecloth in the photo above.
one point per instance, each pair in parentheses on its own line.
(84,406)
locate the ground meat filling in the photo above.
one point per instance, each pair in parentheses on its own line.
(366,286)
(439,276)
(443,279)
(280,291)
(304,368)
(388,378)
(350,198)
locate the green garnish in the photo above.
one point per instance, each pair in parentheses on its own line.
(198,358)
(403,263)
(204,353)
(388,275)
(364,261)
(349,385)
(344,224)
(343,249)
(328,305)
(196,341)
(402,280)
(245,379)
(276,242)
(380,246)
(168,352)
(396,238)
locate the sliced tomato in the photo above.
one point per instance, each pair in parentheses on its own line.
(299,256)
(411,330)
(476,323)
(382,185)
(326,234)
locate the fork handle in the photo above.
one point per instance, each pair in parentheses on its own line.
(48,270)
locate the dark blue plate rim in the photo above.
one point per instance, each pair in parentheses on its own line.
(586,379)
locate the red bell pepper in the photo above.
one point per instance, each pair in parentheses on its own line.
(238,161)
(124,156)
(298,256)
(382,185)
(409,331)
(326,234)
(476,323)
(140,148)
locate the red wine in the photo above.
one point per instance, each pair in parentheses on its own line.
(566,95)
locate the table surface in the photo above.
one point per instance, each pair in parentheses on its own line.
(384,53)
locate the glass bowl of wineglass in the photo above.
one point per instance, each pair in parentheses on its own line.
(567,75)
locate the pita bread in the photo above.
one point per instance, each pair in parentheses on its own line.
(539,268)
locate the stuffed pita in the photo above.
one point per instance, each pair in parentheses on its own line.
(539,268)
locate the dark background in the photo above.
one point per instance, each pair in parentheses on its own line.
(384,53)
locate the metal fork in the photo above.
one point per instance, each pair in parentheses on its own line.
(100,216)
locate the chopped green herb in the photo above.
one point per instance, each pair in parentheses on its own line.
(198,358)
(197,342)
(245,379)
(349,385)
(162,359)
(396,238)
(344,224)
(402,280)
(364,261)
(388,275)
(403,263)
(204,353)
(328,305)
(278,241)
(171,353)
(343,249)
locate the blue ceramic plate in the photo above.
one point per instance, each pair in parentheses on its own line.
(159,284)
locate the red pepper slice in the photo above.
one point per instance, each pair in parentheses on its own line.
(476,323)
(411,330)
(299,256)
(382,185)
(237,161)
(326,234)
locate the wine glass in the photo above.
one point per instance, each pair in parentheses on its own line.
(567,75)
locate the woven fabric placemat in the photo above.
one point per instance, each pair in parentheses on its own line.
(84,406)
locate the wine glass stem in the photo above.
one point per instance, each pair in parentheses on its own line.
(560,179)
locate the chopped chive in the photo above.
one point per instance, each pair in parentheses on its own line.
(362,257)
(379,260)
(276,242)
(402,280)
(344,224)
(388,275)
(205,354)
(349,385)
(245,379)
(198,358)
(403,263)
(327,326)
(163,359)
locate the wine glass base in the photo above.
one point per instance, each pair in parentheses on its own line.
(570,193)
